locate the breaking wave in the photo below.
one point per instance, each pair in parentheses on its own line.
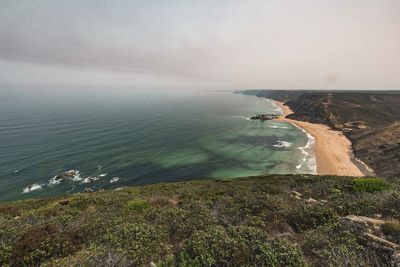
(307,151)
(282,144)
(32,188)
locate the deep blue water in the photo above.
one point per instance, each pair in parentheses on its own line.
(140,137)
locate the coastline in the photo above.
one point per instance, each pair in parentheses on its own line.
(332,149)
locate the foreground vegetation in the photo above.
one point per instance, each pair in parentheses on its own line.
(279,220)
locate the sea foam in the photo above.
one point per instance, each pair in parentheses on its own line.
(309,157)
(90,180)
(277,127)
(114,179)
(32,188)
(242,117)
(282,144)
(307,150)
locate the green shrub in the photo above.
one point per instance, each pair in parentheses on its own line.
(334,245)
(392,228)
(370,185)
(142,242)
(9,211)
(137,205)
(181,223)
(308,217)
(238,246)
(40,244)
(282,253)
(5,252)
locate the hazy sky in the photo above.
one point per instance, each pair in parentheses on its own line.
(201,44)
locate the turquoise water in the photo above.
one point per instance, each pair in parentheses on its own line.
(140,137)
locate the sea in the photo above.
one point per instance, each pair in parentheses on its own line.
(121,137)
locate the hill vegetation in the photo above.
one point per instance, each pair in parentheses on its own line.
(278,220)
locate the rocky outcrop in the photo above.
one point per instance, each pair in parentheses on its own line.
(264,117)
(65,176)
(364,221)
(370,229)
(88,190)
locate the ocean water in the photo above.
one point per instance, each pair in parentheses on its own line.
(139,137)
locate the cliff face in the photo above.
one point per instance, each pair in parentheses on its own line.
(370,119)
(379,147)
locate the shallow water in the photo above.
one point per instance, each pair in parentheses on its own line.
(140,137)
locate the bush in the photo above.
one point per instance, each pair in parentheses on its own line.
(370,185)
(334,245)
(137,205)
(9,211)
(238,246)
(308,217)
(282,253)
(5,251)
(181,223)
(40,244)
(392,229)
(142,242)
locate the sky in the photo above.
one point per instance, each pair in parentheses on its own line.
(206,44)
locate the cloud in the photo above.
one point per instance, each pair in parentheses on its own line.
(280,44)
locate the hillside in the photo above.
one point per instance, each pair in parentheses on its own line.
(261,221)
(370,119)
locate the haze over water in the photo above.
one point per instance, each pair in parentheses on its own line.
(140,137)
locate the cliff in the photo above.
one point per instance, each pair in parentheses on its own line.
(370,119)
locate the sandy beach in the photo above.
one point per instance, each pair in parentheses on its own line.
(332,149)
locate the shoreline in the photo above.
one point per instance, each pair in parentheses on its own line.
(332,150)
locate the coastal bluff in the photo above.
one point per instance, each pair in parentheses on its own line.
(369,119)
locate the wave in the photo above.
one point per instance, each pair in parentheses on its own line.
(75,178)
(306,150)
(277,108)
(114,179)
(242,117)
(282,144)
(88,180)
(32,188)
(103,175)
(277,127)
(308,153)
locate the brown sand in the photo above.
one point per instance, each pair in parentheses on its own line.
(332,149)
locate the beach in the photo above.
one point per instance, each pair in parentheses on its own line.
(332,149)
